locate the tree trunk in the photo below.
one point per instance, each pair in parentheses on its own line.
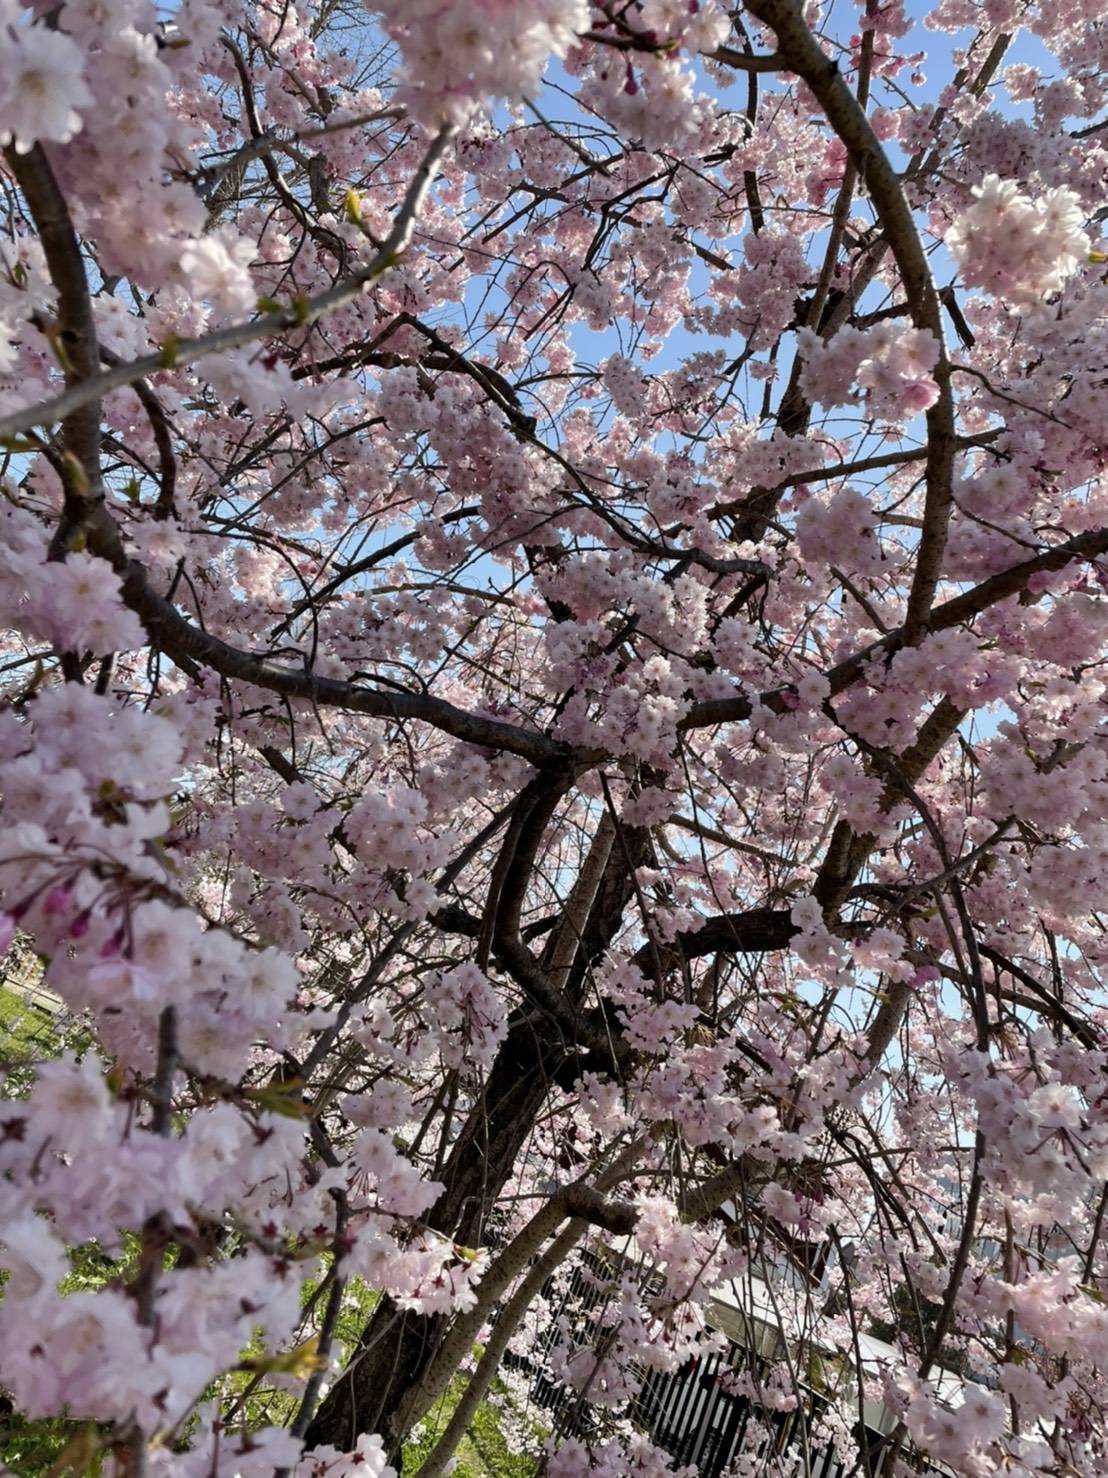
(396,1345)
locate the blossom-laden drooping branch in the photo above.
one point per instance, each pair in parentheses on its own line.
(553,730)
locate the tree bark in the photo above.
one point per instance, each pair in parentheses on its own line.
(396,1346)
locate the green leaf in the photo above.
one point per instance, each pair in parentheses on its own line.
(300,1363)
(284,1099)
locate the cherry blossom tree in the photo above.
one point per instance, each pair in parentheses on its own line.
(554,699)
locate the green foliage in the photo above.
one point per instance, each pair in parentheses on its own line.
(48,1447)
(28,1034)
(492,1447)
(359,1301)
(483,1452)
(25,1031)
(56,1447)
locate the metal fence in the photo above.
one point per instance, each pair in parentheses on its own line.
(693,1415)
(694,1418)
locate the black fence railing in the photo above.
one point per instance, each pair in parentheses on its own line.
(694,1413)
(694,1417)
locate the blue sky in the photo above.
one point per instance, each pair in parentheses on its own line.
(939,69)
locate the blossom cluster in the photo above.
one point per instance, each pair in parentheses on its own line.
(457,56)
(1017,247)
(526,674)
(890,364)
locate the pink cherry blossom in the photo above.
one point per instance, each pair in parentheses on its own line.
(553,735)
(43,86)
(1015,246)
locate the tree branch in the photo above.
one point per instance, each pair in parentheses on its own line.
(804,55)
(960,608)
(90,387)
